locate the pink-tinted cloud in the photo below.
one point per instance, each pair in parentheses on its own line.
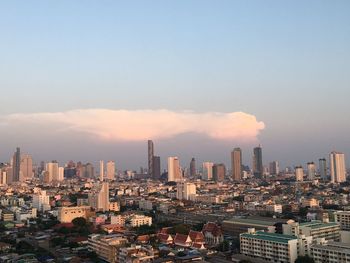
(138,125)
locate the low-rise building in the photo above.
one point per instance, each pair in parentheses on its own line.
(67,214)
(332,252)
(270,247)
(343,219)
(140,220)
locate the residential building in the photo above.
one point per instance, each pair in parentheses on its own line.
(207,171)
(111,170)
(337,167)
(174,170)
(236,164)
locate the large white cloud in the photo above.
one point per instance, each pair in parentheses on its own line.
(137,125)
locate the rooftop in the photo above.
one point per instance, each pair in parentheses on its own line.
(318,224)
(278,238)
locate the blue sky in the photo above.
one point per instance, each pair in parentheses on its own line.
(286,62)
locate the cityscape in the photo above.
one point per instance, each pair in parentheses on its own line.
(149,131)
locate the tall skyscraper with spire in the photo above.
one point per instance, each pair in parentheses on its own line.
(258,168)
(236,164)
(150,149)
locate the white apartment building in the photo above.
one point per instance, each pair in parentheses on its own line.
(331,252)
(140,220)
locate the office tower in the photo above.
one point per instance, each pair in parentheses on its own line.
(103,197)
(337,167)
(41,201)
(274,168)
(236,164)
(16,165)
(323,168)
(60,173)
(207,171)
(156,167)
(110,170)
(219,172)
(258,168)
(150,158)
(299,173)
(174,170)
(102,170)
(311,171)
(26,167)
(52,169)
(193,167)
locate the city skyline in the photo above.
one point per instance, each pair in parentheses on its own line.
(113,75)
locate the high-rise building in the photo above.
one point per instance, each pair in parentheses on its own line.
(89,171)
(52,169)
(207,171)
(26,167)
(60,173)
(193,167)
(274,168)
(102,171)
(150,158)
(337,167)
(41,201)
(103,197)
(219,172)
(174,170)
(236,164)
(299,173)
(323,168)
(156,167)
(16,164)
(110,170)
(258,168)
(186,191)
(311,171)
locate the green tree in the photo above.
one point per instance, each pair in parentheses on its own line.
(79,222)
(304,259)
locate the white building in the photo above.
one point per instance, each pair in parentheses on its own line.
(41,201)
(337,167)
(311,171)
(343,219)
(186,191)
(331,252)
(270,247)
(60,173)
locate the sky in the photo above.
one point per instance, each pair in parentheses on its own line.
(89,80)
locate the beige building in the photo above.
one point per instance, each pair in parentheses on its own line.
(106,246)
(26,167)
(343,219)
(140,220)
(67,214)
(236,164)
(111,170)
(337,167)
(174,170)
(331,252)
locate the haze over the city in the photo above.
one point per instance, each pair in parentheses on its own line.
(86,80)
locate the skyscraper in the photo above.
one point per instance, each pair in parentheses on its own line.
(16,164)
(111,170)
(156,167)
(219,172)
(207,171)
(236,164)
(337,167)
(193,167)
(103,197)
(174,170)
(323,168)
(26,167)
(274,168)
(311,171)
(101,170)
(258,168)
(52,169)
(150,158)
(299,174)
